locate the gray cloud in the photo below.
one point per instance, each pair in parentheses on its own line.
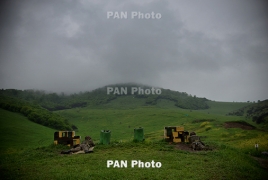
(212,49)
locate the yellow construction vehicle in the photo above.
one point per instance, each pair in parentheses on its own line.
(66,138)
(175,134)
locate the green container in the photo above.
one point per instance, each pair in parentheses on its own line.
(105,136)
(138,134)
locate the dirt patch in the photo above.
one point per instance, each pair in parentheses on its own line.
(187,147)
(242,125)
(263,162)
(182,146)
(202,120)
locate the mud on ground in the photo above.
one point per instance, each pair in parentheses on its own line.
(187,147)
(263,162)
(242,125)
(182,146)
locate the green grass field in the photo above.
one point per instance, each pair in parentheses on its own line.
(222,108)
(27,151)
(18,133)
(153,119)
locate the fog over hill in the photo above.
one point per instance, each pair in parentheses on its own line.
(135,95)
(212,49)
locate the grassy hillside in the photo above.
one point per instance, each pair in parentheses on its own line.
(45,163)
(34,113)
(18,133)
(223,108)
(122,122)
(257,112)
(27,151)
(229,159)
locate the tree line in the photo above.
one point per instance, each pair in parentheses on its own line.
(258,112)
(35,113)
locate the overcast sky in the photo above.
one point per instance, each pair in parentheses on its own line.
(210,48)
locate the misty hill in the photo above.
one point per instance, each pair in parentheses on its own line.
(100,98)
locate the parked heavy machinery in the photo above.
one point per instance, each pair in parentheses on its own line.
(175,134)
(66,138)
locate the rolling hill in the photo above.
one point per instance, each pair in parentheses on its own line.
(114,97)
(258,112)
(100,97)
(27,152)
(18,133)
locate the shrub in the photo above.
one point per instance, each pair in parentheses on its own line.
(208,128)
(204,124)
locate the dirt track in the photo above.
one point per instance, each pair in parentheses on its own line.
(238,125)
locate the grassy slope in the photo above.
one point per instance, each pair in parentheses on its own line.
(229,160)
(17,132)
(222,108)
(122,121)
(45,163)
